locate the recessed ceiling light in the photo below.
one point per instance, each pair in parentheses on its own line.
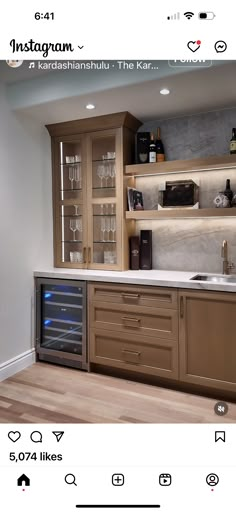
(165,91)
(90,106)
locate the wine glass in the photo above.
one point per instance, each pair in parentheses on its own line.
(102,209)
(78,175)
(112,173)
(113,228)
(71,176)
(101,173)
(73,227)
(112,209)
(79,226)
(103,228)
(107,173)
(108,227)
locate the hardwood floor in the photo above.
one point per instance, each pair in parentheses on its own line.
(46,393)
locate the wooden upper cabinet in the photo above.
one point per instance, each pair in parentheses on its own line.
(89,190)
(208,339)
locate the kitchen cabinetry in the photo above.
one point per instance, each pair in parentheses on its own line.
(208,339)
(134,328)
(89,191)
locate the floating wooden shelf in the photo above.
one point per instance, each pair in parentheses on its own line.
(181,213)
(211,163)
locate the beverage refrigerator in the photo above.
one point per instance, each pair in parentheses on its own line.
(61,322)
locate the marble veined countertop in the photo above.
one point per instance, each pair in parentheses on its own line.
(169,278)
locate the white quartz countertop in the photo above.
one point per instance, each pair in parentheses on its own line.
(170,278)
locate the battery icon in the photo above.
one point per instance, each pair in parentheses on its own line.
(206,15)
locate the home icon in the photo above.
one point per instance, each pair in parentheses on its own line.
(23,480)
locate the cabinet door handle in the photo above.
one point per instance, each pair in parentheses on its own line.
(181,307)
(130,295)
(85,254)
(89,255)
(127,319)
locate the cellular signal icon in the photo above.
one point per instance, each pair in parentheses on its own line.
(175,16)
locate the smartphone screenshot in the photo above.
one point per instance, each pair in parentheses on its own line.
(118,257)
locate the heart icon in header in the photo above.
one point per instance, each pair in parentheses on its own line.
(194,45)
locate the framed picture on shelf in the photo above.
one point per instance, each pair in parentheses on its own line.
(135,199)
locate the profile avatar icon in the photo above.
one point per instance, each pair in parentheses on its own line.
(14,63)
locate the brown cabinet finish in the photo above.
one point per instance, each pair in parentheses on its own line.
(90,192)
(148,296)
(207,339)
(143,354)
(137,319)
(134,328)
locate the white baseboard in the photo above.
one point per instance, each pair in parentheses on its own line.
(17,364)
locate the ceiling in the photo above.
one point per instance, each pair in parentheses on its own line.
(192,91)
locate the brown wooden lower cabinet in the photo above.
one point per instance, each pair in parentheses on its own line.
(142,354)
(207,339)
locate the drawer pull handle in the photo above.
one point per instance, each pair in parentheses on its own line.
(130,319)
(133,352)
(181,307)
(130,295)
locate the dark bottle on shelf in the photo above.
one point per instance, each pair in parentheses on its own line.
(228,192)
(233,142)
(152,150)
(159,147)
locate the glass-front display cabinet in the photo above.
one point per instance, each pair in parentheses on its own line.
(89,191)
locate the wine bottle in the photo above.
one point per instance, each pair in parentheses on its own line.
(159,147)
(233,142)
(152,150)
(228,192)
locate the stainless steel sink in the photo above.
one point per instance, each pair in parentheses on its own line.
(214,278)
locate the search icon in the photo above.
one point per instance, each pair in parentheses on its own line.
(70,479)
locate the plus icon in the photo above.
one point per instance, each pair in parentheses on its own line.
(118,479)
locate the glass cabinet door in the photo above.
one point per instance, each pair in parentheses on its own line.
(104,184)
(71,204)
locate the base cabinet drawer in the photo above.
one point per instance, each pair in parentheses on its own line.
(157,322)
(148,355)
(147,296)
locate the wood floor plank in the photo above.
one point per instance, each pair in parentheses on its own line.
(45,393)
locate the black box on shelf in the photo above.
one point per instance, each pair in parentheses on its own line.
(146,249)
(142,147)
(134,253)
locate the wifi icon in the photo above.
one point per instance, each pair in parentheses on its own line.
(189,15)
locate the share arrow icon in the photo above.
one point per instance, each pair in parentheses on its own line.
(58,435)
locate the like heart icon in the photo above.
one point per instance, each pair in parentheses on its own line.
(194,45)
(14,436)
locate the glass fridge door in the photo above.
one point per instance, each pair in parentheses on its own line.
(62,320)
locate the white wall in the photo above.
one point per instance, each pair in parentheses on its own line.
(25,224)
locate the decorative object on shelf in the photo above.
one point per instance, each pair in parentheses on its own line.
(221,201)
(152,150)
(135,199)
(134,253)
(233,142)
(233,202)
(142,147)
(146,249)
(160,152)
(76,257)
(228,192)
(178,194)
(109,257)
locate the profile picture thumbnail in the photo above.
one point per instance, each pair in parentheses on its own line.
(14,63)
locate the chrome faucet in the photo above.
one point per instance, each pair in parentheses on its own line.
(227,265)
